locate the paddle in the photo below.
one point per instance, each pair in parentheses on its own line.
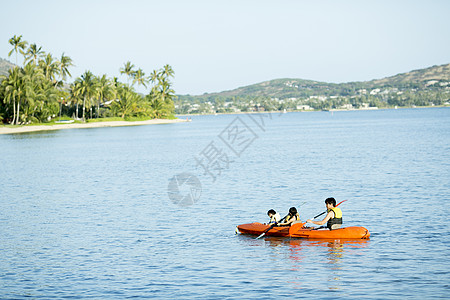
(272,226)
(326,211)
(295,227)
(276,223)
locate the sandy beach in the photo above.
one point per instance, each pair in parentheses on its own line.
(31,128)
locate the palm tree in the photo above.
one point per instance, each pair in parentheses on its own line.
(31,97)
(14,91)
(161,95)
(75,96)
(165,91)
(34,53)
(167,71)
(86,88)
(139,78)
(116,83)
(50,67)
(48,100)
(154,76)
(157,107)
(8,87)
(128,70)
(18,45)
(36,93)
(105,90)
(128,102)
(64,65)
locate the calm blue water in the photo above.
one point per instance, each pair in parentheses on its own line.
(85,213)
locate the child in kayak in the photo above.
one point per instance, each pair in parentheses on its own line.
(274,216)
(333,219)
(291,218)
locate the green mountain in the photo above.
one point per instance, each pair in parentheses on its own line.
(289,87)
(430,86)
(5,66)
(421,77)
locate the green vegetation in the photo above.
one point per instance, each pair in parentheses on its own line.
(426,87)
(38,92)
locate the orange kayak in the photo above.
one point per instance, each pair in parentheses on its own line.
(296,230)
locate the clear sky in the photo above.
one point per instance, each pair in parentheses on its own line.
(217,45)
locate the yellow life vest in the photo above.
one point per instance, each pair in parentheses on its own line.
(296,216)
(337,212)
(337,219)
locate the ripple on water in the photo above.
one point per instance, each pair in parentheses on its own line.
(99,224)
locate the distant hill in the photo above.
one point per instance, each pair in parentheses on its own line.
(421,76)
(5,66)
(300,88)
(430,86)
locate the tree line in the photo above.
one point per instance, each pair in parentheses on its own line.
(38,90)
(230,104)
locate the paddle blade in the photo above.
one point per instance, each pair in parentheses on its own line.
(261,235)
(340,203)
(295,227)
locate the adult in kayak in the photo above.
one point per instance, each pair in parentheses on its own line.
(274,217)
(291,218)
(333,219)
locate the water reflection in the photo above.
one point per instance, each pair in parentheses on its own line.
(34,135)
(333,245)
(305,256)
(334,251)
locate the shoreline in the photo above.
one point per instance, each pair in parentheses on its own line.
(307,111)
(35,128)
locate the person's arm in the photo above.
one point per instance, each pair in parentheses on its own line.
(293,220)
(324,221)
(284,223)
(277,217)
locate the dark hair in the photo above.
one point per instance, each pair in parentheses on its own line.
(271,211)
(331,201)
(292,211)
